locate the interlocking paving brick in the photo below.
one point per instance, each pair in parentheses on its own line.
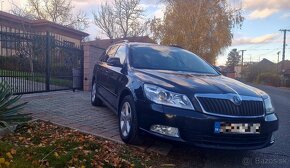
(74,110)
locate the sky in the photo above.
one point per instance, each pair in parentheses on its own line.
(259,35)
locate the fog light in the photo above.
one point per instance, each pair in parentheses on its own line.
(165,130)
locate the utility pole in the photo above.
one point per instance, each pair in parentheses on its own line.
(242,65)
(278,53)
(1,4)
(243,56)
(284,46)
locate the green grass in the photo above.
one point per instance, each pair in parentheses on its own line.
(37,77)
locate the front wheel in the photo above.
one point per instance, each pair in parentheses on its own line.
(95,101)
(128,124)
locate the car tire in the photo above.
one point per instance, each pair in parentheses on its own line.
(128,123)
(95,100)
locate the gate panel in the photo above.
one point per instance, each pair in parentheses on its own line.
(32,62)
(65,65)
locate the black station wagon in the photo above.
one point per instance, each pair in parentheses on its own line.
(171,93)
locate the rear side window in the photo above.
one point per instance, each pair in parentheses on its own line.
(109,53)
(121,53)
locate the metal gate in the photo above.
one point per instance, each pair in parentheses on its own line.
(39,62)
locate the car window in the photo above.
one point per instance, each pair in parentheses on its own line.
(168,58)
(111,52)
(121,53)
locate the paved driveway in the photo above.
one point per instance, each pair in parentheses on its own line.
(73,109)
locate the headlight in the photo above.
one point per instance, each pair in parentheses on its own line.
(268,105)
(165,97)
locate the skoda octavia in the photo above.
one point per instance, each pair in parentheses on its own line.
(171,93)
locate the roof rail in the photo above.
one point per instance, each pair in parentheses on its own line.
(175,45)
(121,41)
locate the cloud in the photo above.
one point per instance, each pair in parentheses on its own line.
(260,9)
(262,4)
(159,13)
(268,38)
(263,13)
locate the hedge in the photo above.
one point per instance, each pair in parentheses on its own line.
(22,64)
(269,78)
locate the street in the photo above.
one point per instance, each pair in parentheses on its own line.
(277,155)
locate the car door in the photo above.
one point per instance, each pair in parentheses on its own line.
(116,76)
(103,74)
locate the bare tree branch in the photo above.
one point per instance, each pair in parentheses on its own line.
(123,18)
(57,11)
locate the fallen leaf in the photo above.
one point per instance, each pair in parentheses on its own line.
(8,154)
(7,164)
(56,154)
(2,160)
(13,151)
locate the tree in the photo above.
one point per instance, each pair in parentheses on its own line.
(233,58)
(105,20)
(124,18)
(57,11)
(201,26)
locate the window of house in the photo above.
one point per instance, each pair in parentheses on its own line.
(9,41)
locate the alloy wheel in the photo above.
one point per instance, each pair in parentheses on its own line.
(93,92)
(125,119)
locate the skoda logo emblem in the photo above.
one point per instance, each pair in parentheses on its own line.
(237,100)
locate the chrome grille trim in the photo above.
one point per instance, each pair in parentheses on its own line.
(230,98)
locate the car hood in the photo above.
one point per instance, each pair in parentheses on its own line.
(185,82)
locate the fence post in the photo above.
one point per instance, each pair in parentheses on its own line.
(47,62)
(82,67)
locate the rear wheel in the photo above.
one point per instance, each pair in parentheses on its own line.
(95,101)
(128,124)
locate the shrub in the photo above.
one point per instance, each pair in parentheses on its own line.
(9,107)
(269,78)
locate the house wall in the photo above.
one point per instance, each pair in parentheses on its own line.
(238,70)
(91,56)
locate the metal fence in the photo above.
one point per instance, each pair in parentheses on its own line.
(38,62)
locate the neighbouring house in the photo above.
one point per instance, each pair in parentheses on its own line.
(228,71)
(238,71)
(285,72)
(252,70)
(13,27)
(94,49)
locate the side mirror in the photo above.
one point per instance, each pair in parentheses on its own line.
(114,61)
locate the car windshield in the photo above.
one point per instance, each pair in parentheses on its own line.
(168,58)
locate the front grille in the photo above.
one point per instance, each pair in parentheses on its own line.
(227,107)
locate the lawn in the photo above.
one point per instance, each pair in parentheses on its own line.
(42,144)
(37,77)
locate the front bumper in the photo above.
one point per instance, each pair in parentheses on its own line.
(197,128)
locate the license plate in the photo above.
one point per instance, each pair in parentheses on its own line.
(236,128)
